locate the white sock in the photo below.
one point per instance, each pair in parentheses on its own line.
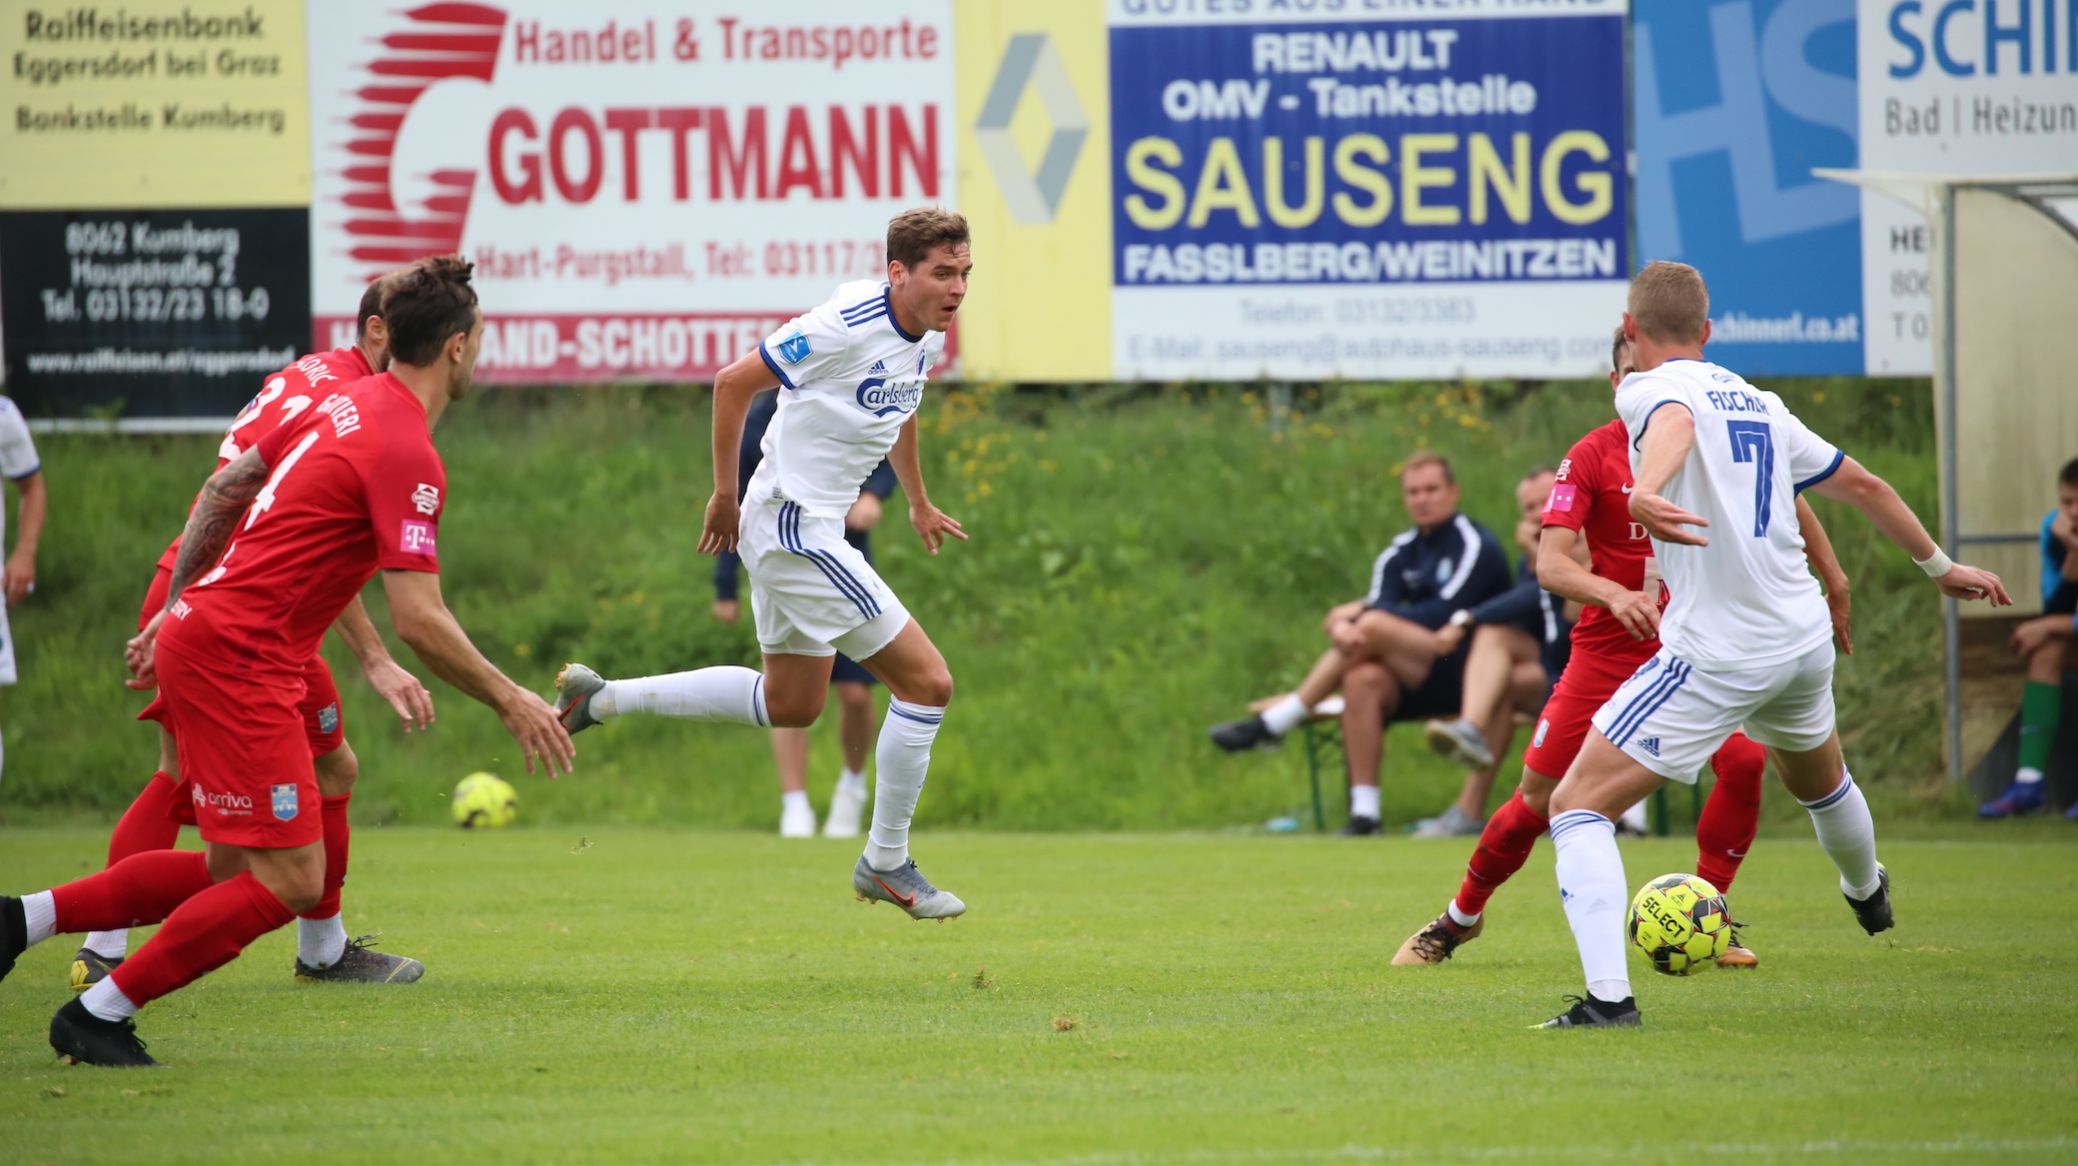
(1593,890)
(1634,818)
(2028,776)
(1848,834)
(795,798)
(1459,917)
(41,911)
(107,1001)
(108,944)
(321,942)
(1363,801)
(852,781)
(724,693)
(903,757)
(1285,715)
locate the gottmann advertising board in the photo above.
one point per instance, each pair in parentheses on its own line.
(646,188)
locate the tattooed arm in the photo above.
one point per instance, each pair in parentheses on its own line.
(217,510)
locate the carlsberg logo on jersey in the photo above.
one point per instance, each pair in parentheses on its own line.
(879,398)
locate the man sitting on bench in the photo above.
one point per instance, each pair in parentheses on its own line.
(2046,643)
(1382,651)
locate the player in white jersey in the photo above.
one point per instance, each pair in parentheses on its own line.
(850,376)
(1746,636)
(20,465)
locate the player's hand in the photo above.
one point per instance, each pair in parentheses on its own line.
(718,533)
(2029,637)
(864,513)
(412,703)
(1838,604)
(1665,521)
(1963,582)
(1638,612)
(141,657)
(2062,529)
(727,610)
(933,524)
(534,724)
(1448,637)
(21,576)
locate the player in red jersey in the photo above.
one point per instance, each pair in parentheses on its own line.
(294,527)
(1619,630)
(154,819)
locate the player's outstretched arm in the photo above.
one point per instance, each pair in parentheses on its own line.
(734,387)
(423,621)
(1818,547)
(931,523)
(1856,486)
(412,703)
(1670,433)
(1560,572)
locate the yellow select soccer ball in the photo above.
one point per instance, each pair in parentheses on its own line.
(485,801)
(1681,924)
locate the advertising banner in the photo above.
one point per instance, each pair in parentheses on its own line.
(154,246)
(646,188)
(1366,189)
(1987,89)
(1736,102)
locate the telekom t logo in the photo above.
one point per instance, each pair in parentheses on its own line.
(416,538)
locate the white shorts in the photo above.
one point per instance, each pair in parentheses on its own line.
(812,593)
(6,647)
(1670,716)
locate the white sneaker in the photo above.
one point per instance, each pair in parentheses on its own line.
(846,807)
(797,821)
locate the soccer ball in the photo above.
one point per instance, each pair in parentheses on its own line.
(485,800)
(1681,924)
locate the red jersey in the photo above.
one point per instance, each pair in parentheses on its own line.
(282,399)
(354,485)
(1593,495)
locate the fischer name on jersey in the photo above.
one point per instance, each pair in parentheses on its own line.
(1748,600)
(850,379)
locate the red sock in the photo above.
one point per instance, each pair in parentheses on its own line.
(333,813)
(143,888)
(148,824)
(1504,846)
(1732,813)
(205,933)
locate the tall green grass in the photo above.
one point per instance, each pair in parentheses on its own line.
(1143,563)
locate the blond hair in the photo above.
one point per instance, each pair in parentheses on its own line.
(1670,303)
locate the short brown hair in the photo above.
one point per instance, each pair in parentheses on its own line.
(1427,457)
(426,303)
(1541,469)
(1617,344)
(914,234)
(1670,302)
(2070,475)
(371,303)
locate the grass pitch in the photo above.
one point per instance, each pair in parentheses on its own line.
(650,996)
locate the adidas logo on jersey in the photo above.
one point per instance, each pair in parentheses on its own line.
(1650,745)
(879,368)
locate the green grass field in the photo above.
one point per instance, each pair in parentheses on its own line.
(633,995)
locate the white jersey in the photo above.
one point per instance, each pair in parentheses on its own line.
(17,453)
(1748,599)
(851,378)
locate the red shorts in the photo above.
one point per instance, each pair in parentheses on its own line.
(243,757)
(324,723)
(1587,683)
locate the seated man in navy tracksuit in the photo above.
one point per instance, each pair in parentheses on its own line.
(1382,651)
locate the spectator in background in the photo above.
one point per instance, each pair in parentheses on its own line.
(854,685)
(1519,643)
(1383,653)
(2045,644)
(18,461)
